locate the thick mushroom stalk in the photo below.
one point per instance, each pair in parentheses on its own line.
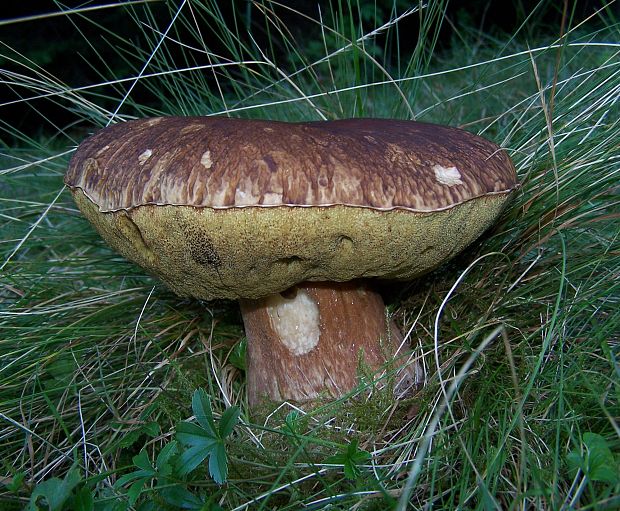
(314,339)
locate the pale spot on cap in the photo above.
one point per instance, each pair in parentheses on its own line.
(153,121)
(145,156)
(206,160)
(449,176)
(272,199)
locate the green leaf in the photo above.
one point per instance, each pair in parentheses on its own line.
(134,476)
(293,422)
(575,462)
(181,497)
(163,458)
(351,470)
(191,458)
(205,440)
(218,464)
(16,482)
(83,500)
(129,438)
(141,460)
(192,434)
(148,411)
(150,429)
(146,471)
(111,505)
(237,355)
(356,455)
(54,492)
(134,491)
(201,406)
(595,460)
(350,458)
(147,505)
(228,421)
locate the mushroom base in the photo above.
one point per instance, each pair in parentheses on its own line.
(312,340)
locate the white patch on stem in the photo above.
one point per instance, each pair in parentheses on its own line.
(296,321)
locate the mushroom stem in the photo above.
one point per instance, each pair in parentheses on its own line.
(311,341)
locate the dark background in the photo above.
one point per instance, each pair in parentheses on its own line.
(58,46)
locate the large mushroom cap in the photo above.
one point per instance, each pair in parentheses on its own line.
(231,208)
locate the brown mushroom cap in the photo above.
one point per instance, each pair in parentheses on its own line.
(231,208)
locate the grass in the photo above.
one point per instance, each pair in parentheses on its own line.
(518,335)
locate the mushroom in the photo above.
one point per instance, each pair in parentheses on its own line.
(295,220)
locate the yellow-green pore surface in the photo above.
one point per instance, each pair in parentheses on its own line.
(252,252)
